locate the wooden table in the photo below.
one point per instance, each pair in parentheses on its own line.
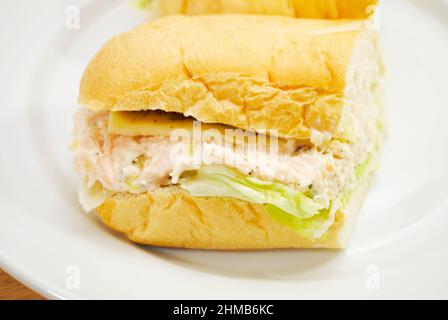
(11,289)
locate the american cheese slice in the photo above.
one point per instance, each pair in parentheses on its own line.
(160,123)
(153,123)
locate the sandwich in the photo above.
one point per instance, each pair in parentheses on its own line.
(231,132)
(316,9)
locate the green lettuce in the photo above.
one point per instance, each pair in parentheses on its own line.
(221,181)
(364,168)
(311,228)
(285,205)
(141,4)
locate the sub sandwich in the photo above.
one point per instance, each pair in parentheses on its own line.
(168,112)
(317,9)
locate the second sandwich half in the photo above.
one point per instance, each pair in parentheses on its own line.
(304,94)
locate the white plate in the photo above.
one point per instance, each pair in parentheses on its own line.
(46,241)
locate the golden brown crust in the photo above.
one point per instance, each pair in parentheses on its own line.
(219,69)
(172,218)
(319,9)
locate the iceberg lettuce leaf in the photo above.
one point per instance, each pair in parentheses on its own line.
(141,4)
(311,228)
(221,181)
(92,197)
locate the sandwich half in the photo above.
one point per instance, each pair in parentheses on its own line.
(316,9)
(231,131)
